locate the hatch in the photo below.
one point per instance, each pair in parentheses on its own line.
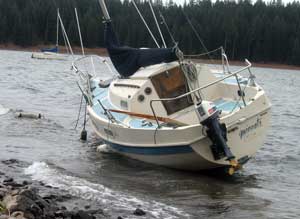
(169,84)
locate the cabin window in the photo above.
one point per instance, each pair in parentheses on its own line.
(172,83)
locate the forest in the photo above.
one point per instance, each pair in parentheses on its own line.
(262,32)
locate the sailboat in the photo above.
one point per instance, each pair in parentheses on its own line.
(51,53)
(163,109)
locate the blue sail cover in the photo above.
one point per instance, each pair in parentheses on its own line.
(55,50)
(128,60)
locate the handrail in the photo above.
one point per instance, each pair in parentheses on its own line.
(85,76)
(198,89)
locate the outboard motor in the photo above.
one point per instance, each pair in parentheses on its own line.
(209,117)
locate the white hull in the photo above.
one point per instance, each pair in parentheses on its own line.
(49,56)
(185,148)
(124,116)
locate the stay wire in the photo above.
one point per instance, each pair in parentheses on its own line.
(166,25)
(198,36)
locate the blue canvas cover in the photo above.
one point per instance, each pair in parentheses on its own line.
(55,50)
(128,60)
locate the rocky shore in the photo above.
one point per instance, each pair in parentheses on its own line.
(22,200)
(34,200)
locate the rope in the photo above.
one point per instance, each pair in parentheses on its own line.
(205,53)
(79,112)
(238,101)
(197,35)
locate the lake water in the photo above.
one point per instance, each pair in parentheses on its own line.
(49,151)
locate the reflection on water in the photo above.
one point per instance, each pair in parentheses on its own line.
(267,187)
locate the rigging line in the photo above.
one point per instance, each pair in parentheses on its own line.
(197,35)
(203,54)
(145,23)
(159,30)
(57,28)
(166,25)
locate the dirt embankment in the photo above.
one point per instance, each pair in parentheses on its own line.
(103,52)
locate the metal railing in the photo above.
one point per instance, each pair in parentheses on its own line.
(234,74)
(85,75)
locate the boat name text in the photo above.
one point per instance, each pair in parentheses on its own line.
(250,128)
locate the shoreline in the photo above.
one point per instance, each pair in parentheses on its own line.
(102,52)
(25,198)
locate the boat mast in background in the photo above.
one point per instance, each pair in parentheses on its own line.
(65,34)
(79,32)
(57,28)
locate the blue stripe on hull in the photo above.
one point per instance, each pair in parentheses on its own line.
(165,150)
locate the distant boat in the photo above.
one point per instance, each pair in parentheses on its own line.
(51,53)
(165,110)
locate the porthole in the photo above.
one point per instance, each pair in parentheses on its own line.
(141,98)
(148,90)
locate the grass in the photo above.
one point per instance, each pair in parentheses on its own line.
(2,208)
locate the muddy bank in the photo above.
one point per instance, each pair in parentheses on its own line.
(62,49)
(103,52)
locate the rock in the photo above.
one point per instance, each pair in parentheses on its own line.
(25,183)
(29,215)
(29,193)
(3,192)
(82,215)
(139,212)
(10,161)
(59,213)
(18,215)
(21,203)
(63,208)
(14,192)
(8,180)
(50,197)
(13,184)
(66,197)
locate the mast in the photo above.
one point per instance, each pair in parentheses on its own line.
(104,9)
(57,27)
(159,30)
(79,31)
(66,36)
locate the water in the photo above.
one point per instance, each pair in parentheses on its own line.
(49,151)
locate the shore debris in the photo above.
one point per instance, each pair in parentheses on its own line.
(28,115)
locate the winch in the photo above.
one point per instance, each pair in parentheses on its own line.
(208,116)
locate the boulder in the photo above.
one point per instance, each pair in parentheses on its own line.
(18,215)
(82,215)
(139,212)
